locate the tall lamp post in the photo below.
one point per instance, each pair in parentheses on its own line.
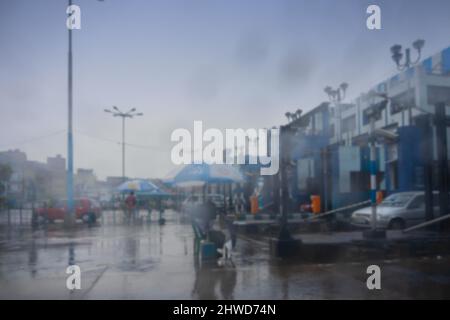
(397,56)
(336,96)
(286,244)
(69,219)
(69,190)
(285,155)
(130,114)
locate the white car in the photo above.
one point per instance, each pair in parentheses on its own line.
(397,211)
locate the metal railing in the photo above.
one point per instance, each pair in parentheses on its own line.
(427,223)
(15,216)
(355,205)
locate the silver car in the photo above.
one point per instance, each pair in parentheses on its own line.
(397,211)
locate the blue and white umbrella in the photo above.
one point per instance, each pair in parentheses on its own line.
(141,187)
(205,173)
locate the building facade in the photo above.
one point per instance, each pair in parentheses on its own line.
(331,154)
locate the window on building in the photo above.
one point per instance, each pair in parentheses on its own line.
(332,130)
(349,124)
(402,101)
(365,119)
(359,181)
(438,93)
(318,121)
(305,172)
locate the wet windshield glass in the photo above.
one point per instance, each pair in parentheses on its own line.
(224,150)
(397,200)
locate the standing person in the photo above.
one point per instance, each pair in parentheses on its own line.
(236,201)
(210,215)
(204,216)
(130,205)
(242,203)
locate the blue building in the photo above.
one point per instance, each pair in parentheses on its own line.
(331,155)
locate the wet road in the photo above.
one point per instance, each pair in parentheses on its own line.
(148,261)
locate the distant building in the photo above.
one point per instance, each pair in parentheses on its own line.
(33,180)
(17,160)
(56,167)
(113,182)
(57,163)
(86,183)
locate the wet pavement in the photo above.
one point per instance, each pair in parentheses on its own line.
(148,261)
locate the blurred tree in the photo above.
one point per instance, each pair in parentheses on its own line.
(5,176)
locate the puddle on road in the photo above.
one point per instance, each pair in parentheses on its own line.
(152,261)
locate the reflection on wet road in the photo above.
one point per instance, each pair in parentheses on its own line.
(148,261)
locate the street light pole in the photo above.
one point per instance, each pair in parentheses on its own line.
(69,179)
(286,244)
(336,96)
(284,231)
(397,56)
(123,149)
(373,174)
(130,114)
(70,131)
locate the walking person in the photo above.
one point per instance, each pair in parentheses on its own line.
(130,206)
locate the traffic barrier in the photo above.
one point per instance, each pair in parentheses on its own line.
(339,209)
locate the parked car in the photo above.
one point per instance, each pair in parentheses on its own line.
(397,211)
(86,209)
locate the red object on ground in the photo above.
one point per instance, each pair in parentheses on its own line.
(83,207)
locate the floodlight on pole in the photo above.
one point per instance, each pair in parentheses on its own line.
(130,114)
(336,96)
(397,54)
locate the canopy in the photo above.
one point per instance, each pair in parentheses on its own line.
(205,173)
(141,187)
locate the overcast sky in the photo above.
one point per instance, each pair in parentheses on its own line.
(232,64)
